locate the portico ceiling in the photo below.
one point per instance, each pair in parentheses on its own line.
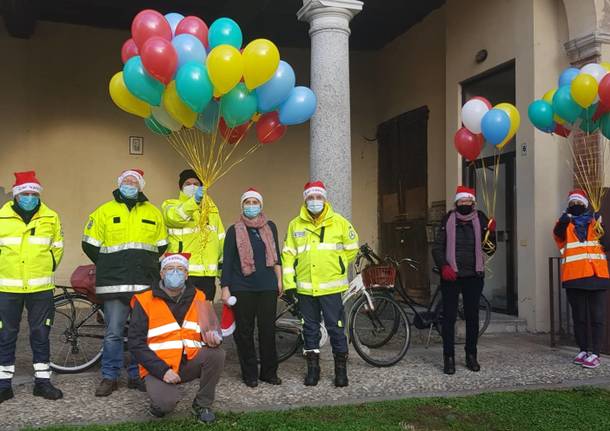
(379,22)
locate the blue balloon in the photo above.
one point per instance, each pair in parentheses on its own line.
(194,86)
(299,107)
(495,126)
(189,49)
(273,92)
(173,19)
(225,31)
(208,119)
(140,83)
(567,76)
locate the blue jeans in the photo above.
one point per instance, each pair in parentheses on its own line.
(116,313)
(331,307)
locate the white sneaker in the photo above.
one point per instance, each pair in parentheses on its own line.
(592,361)
(580,358)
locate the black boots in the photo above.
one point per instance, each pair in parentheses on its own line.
(341,370)
(471,362)
(46,390)
(449,366)
(313,368)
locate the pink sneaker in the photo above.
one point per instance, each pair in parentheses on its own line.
(580,358)
(592,361)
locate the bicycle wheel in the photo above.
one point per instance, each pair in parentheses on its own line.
(460,328)
(288,340)
(386,321)
(77,334)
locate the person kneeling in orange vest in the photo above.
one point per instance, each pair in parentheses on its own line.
(169,344)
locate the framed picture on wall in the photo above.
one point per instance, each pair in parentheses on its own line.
(136,145)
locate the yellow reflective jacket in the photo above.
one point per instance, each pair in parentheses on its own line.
(316,255)
(125,246)
(182,218)
(29,253)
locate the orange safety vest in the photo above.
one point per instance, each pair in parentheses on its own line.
(582,259)
(165,337)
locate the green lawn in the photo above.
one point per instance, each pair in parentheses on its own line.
(579,409)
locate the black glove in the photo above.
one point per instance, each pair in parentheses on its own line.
(565,218)
(290,296)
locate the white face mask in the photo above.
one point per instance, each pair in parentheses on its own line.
(190,190)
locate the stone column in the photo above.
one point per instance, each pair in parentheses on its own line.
(330,138)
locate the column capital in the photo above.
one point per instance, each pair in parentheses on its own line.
(587,47)
(329,14)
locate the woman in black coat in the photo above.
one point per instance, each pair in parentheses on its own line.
(253,274)
(459,254)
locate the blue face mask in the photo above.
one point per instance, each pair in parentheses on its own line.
(174,279)
(252,211)
(315,207)
(28,202)
(130,192)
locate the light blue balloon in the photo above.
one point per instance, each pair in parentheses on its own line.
(189,49)
(567,76)
(140,83)
(275,91)
(225,31)
(299,107)
(173,18)
(194,86)
(207,121)
(495,126)
(565,106)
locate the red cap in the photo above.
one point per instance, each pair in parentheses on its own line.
(463,192)
(26,182)
(314,187)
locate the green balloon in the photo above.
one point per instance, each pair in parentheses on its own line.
(156,127)
(604,125)
(238,105)
(565,106)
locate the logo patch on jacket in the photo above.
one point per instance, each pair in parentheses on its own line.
(352,234)
(90,224)
(299,233)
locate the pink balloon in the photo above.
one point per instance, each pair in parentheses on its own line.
(129,50)
(159,59)
(147,24)
(195,26)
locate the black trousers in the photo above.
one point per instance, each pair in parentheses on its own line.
(471,289)
(206,284)
(331,307)
(588,311)
(259,307)
(40,318)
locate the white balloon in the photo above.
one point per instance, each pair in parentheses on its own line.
(597,71)
(472,113)
(165,119)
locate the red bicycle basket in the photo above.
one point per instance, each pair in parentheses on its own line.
(379,276)
(83,282)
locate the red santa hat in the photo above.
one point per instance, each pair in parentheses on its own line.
(26,182)
(580,196)
(465,193)
(227,318)
(175,259)
(314,187)
(136,173)
(252,193)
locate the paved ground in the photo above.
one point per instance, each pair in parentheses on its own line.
(508,362)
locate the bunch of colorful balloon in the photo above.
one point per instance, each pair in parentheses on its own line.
(200,89)
(581,101)
(497,125)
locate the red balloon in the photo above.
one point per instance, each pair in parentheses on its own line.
(159,59)
(195,26)
(129,50)
(269,129)
(561,131)
(468,144)
(232,135)
(604,90)
(147,24)
(484,100)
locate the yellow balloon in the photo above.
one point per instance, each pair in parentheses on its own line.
(548,96)
(261,59)
(125,100)
(225,68)
(605,65)
(515,122)
(176,108)
(584,90)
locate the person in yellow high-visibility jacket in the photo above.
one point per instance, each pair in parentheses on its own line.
(31,247)
(183,220)
(319,246)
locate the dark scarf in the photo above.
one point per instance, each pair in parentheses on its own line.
(581,223)
(129,202)
(473,217)
(26,216)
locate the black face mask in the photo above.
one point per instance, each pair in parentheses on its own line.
(464,209)
(577,210)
